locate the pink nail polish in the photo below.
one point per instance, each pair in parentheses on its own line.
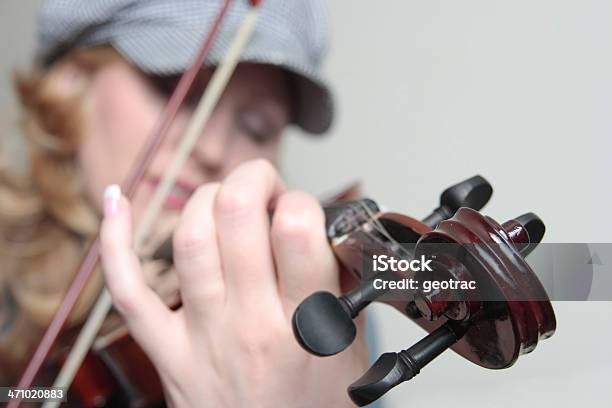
(112,194)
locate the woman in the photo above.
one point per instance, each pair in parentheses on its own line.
(105,71)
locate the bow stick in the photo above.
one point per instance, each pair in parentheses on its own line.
(209,99)
(195,127)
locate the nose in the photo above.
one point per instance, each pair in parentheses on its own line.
(210,152)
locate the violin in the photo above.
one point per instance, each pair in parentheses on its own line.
(491,326)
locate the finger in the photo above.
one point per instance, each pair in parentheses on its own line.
(196,256)
(142,309)
(243,227)
(304,260)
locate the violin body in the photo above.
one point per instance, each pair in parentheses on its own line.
(116,372)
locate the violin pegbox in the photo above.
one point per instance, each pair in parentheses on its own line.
(505,316)
(323,324)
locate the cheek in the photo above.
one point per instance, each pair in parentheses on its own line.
(118,119)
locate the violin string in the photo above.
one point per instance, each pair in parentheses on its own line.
(205,107)
(380,228)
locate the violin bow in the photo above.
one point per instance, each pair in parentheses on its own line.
(205,106)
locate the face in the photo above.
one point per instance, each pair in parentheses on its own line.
(123,105)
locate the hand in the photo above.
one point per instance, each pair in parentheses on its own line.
(231,344)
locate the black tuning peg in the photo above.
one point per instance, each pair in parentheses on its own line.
(534,225)
(323,323)
(474,193)
(392,369)
(526,231)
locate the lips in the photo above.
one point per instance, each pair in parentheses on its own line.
(179,194)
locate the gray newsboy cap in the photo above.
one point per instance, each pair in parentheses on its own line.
(162,37)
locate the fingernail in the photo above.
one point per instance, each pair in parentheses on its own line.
(112,194)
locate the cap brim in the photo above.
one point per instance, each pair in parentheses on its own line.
(169,54)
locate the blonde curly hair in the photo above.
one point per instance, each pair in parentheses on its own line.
(45,220)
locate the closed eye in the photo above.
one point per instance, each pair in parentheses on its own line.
(257,125)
